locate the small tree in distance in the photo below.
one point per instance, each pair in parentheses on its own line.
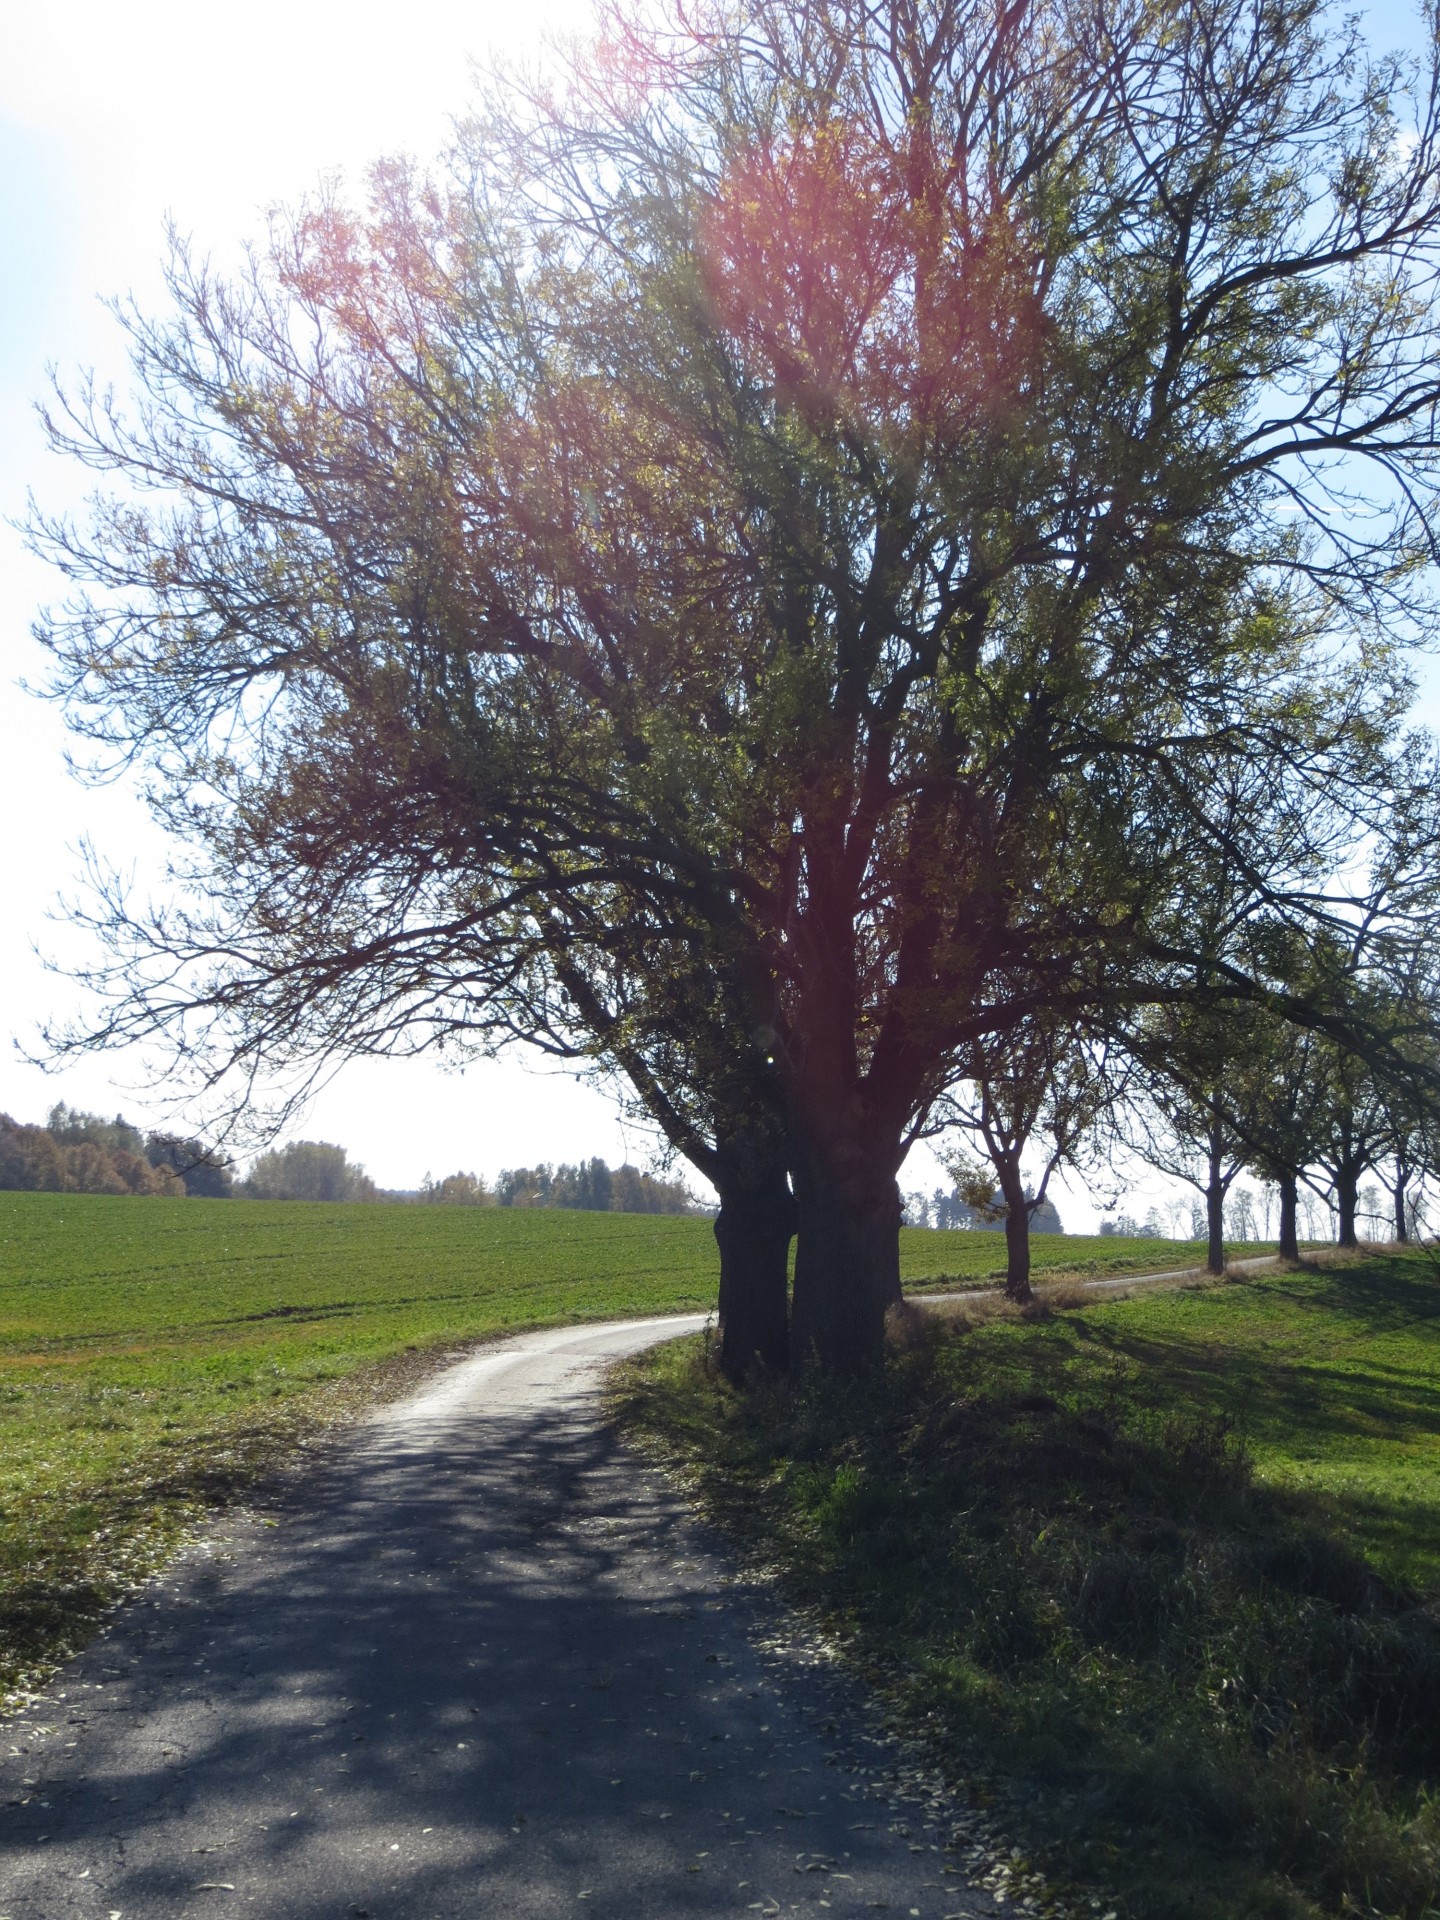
(308,1170)
(457,1190)
(208,1174)
(1038,1089)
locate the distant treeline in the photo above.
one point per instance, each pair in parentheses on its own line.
(78,1152)
(590,1185)
(309,1170)
(950,1210)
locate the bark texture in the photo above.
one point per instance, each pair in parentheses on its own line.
(1398,1193)
(1347,1187)
(847,1268)
(753,1231)
(1289,1211)
(1215,1217)
(1017,1229)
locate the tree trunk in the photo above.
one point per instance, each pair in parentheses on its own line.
(1289,1208)
(1017,1228)
(1215,1218)
(1347,1184)
(847,1266)
(753,1232)
(1402,1223)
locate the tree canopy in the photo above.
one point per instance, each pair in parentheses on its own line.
(308,1170)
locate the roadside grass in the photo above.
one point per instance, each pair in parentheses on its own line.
(1162,1572)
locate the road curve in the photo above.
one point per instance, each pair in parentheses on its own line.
(478,1663)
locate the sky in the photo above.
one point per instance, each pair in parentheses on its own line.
(113,118)
(116,115)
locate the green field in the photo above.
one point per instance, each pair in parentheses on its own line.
(1165,1569)
(157,1355)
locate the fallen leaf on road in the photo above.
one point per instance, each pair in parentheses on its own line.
(214,1886)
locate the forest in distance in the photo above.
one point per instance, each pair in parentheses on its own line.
(77,1152)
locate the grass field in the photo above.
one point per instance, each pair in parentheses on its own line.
(1166,1569)
(157,1356)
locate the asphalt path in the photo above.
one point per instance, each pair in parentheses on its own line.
(478,1661)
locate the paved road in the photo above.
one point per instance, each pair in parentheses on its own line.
(481,1664)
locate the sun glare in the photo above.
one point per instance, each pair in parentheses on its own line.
(230,104)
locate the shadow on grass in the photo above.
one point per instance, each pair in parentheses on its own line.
(1394,1293)
(1194,1690)
(1301,1360)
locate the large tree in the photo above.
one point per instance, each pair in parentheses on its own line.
(825,488)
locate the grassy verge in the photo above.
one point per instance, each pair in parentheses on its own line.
(1163,1570)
